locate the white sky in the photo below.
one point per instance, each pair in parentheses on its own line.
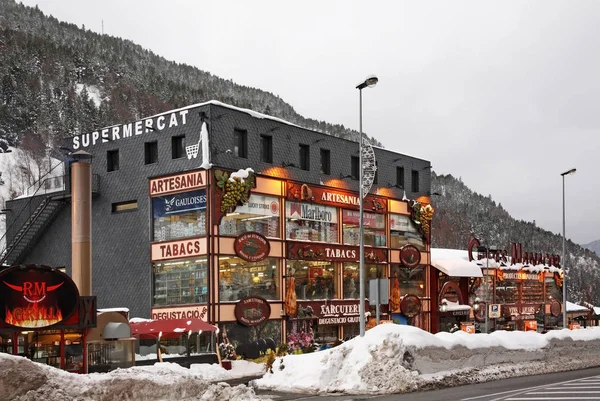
(355,367)
(499,93)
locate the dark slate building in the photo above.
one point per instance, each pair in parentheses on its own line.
(166,243)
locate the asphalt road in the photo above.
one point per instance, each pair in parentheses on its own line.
(574,385)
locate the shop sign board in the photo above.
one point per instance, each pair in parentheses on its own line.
(519,275)
(179,203)
(334,253)
(401,222)
(328,196)
(37,297)
(521,311)
(177,249)
(252,311)
(331,312)
(468,328)
(182,312)
(410,305)
(260,205)
(516,255)
(410,256)
(574,326)
(308,211)
(177,183)
(530,325)
(252,247)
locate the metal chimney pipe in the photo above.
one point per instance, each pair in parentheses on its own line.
(81,224)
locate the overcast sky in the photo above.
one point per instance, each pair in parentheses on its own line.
(501,94)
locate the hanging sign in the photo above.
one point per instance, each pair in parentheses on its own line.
(410,256)
(252,247)
(36,296)
(328,196)
(252,311)
(410,305)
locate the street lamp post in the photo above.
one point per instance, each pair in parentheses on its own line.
(564,255)
(370,82)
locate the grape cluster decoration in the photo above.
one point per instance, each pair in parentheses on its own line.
(422,216)
(236,190)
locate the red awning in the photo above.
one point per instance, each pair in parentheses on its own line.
(169,328)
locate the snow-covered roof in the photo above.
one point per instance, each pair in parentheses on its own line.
(126,310)
(454,306)
(571,307)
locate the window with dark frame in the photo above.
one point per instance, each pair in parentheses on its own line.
(304,157)
(325,161)
(415,181)
(266,148)
(177,147)
(112,160)
(354,167)
(151,152)
(400,177)
(127,206)
(240,143)
(376,173)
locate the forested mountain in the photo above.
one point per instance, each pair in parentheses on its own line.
(593,246)
(57,80)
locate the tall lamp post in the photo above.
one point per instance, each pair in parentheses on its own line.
(370,82)
(564,259)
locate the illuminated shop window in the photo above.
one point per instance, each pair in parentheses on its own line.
(404,232)
(180,282)
(410,280)
(239,278)
(179,215)
(310,222)
(260,214)
(314,279)
(373,224)
(325,334)
(351,279)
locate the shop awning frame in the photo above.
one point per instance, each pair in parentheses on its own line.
(457,267)
(169,328)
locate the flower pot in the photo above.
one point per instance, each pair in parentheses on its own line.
(226,364)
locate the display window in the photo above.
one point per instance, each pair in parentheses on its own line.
(351,280)
(314,279)
(410,280)
(180,282)
(179,216)
(260,214)
(239,279)
(310,222)
(403,231)
(373,227)
(6,344)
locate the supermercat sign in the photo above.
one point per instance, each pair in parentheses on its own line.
(118,132)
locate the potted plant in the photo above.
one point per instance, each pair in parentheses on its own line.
(227,354)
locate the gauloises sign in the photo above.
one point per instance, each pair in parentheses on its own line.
(331,312)
(327,196)
(177,183)
(178,249)
(335,253)
(36,297)
(516,255)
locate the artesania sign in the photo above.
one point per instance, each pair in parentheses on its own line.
(177,183)
(252,247)
(118,132)
(337,253)
(178,249)
(36,297)
(184,312)
(252,311)
(326,196)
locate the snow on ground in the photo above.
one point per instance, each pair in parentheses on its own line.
(389,359)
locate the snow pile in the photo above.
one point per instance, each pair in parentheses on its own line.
(23,380)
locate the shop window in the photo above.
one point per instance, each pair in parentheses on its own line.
(260,214)
(248,338)
(325,161)
(310,222)
(351,331)
(177,147)
(180,282)
(179,216)
(239,278)
(354,160)
(400,177)
(314,279)
(410,280)
(351,276)
(304,157)
(151,152)
(404,232)
(266,148)
(414,182)
(373,225)
(112,160)
(326,334)
(127,206)
(240,143)
(507,291)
